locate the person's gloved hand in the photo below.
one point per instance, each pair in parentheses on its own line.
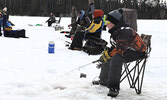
(105,57)
(99,66)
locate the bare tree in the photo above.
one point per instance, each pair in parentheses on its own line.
(145,8)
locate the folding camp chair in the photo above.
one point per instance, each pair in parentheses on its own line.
(134,71)
(58,22)
(57,26)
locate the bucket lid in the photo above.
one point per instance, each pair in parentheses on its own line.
(51,42)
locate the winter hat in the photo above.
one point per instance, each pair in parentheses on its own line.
(82,14)
(98,13)
(73,7)
(115,16)
(5,9)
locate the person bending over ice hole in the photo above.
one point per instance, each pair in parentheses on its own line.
(128,47)
(82,22)
(94,29)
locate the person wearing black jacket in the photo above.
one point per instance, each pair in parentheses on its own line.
(128,46)
(93,30)
(74,15)
(81,23)
(52,19)
(3,19)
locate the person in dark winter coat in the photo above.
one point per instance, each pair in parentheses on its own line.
(5,16)
(90,9)
(1,22)
(128,46)
(74,14)
(3,19)
(81,23)
(52,19)
(94,29)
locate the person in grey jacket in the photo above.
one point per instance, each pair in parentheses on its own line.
(81,23)
(90,9)
(74,14)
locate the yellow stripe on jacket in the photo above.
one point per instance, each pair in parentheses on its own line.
(93,27)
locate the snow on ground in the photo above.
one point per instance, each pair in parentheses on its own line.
(29,72)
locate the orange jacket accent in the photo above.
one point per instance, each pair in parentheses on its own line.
(127,39)
(116,51)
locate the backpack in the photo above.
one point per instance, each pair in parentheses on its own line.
(94,46)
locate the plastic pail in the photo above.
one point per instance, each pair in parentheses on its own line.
(51,47)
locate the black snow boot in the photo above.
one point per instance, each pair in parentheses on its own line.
(68,36)
(113,92)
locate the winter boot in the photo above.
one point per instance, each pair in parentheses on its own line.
(68,36)
(113,92)
(75,48)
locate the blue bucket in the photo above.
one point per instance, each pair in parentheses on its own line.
(51,47)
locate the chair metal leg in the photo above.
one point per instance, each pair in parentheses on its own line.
(135,75)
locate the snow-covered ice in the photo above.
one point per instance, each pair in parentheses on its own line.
(29,72)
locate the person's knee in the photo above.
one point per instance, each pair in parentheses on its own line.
(116,60)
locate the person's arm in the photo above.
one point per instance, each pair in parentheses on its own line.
(92,9)
(47,20)
(88,21)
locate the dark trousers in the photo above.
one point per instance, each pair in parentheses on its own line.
(1,25)
(76,29)
(77,40)
(50,23)
(90,17)
(80,35)
(111,71)
(4,23)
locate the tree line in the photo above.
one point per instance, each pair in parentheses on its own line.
(146,9)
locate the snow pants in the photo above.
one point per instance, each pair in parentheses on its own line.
(50,23)
(80,36)
(1,24)
(77,40)
(111,71)
(76,29)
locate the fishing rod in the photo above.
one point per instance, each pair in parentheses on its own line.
(78,68)
(63,40)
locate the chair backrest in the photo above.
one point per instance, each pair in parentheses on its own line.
(59,20)
(134,71)
(147,41)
